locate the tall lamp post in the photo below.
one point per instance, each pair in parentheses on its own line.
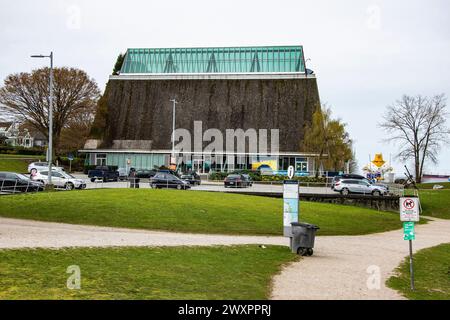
(174,101)
(50,117)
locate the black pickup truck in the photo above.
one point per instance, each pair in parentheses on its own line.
(104,173)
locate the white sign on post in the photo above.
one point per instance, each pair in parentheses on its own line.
(290,172)
(409,209)
(290,206)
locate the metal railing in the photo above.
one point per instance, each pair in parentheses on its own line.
(13,186)
(219,185)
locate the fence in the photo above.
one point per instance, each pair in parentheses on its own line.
(219,185)
(18,186)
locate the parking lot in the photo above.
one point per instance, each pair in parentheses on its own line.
(268,187)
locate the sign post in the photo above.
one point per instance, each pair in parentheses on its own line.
(409,214)
(290,203)
(70,157)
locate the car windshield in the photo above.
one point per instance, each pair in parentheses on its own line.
(234,176)
(67,175)
(23,177)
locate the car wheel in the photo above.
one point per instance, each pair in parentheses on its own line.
(302,251)
(179,186)
(92,179)
(68,186)
(376,193)
(345,192)
(153,186)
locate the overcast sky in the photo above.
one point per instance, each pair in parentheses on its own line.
(366,54)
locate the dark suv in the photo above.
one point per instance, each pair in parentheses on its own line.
(236,181)
(145,173)
(167,180)
(193,178)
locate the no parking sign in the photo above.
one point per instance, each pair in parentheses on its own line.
(409,209)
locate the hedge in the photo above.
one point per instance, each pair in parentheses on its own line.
(22,151)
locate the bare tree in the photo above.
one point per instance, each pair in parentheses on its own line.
(26,96)
(418,125)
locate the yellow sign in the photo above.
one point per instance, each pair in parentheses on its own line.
(378,160)
(272,164)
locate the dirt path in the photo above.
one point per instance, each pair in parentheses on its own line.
(339,267)
(17,233)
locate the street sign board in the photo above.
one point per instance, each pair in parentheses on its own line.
(70,156)
(290,205)
(290,172)
(409,209)
(408,231)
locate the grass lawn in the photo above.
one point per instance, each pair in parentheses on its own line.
(14,165)
(236,272)
(190,211)
(16,162)
(446,185)
(435,203)
(432,275)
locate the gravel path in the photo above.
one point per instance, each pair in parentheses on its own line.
(16,233)
(339,267)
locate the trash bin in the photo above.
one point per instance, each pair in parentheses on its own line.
(303,236)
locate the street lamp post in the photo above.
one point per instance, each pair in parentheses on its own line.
(174,101)
(50,117)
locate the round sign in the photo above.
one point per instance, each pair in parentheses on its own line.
(290,172)
(408,204)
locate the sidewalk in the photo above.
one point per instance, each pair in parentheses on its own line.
(339,267)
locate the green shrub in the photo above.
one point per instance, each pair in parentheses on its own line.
(22,150)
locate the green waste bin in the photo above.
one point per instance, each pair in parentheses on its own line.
(303,236)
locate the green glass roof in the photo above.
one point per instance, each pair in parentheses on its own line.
(215,60)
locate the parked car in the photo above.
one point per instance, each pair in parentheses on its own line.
(175,173)
(248,178)
(60,180)
(15,182)
(166,180)
(236,180)
(123,173)
(39,166)
(192,178)
(348,186)
(145,173)
(356,177)
(104,173)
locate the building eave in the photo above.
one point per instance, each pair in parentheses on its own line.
(130,151)
(211,76)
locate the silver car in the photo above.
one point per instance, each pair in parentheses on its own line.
(60,179)
(348,186)
(42,166)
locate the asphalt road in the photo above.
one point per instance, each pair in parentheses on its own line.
(209,186)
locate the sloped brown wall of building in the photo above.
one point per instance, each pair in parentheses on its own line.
(141,110)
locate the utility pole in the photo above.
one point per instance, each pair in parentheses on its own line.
(174,101)
(50,116)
